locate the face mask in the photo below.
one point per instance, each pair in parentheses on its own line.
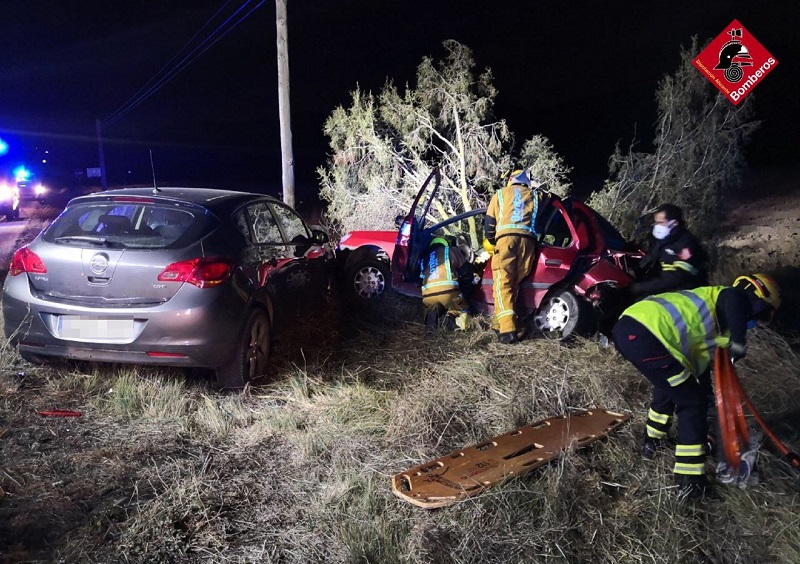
(661,231)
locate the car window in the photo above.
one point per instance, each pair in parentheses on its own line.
(461,231)
(265,229)
(293,226)
(556,231)
(147,225)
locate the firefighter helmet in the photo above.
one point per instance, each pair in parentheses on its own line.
(764,287)
(439,241)
(519,178)
(730,53)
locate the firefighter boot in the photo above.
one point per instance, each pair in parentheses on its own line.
(650,446)
(693,487)
(507,338)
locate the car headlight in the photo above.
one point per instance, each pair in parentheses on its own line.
(5,192)
(40,190)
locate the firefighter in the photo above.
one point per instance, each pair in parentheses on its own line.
(510,227)
(678,256)
(671,339)
(444,272)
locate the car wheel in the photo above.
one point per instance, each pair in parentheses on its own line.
(251,354)
(12,214)
(368,279)
(562,315)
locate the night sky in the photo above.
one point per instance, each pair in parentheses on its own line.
(582,73)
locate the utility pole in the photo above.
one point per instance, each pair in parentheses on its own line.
(101,156)
(287,157)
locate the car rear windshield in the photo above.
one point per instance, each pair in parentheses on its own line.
(131,225)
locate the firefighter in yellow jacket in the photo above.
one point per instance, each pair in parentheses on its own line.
(671,339)
(444,271)
(510,227)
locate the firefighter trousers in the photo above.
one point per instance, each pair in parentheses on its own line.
(688,400)
(514,258)
(451,301)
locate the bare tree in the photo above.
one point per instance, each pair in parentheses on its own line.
(697,155)
(383,147)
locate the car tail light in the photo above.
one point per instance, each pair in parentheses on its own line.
(202,272)
(25,260)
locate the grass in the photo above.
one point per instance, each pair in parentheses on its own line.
(162,467)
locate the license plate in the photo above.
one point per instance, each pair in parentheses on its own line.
(91,328)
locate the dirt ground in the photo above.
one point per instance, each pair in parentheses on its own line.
(762,234)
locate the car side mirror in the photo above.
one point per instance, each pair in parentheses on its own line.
(319,236)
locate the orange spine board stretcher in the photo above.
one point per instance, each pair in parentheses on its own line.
(731,400)
(469,472)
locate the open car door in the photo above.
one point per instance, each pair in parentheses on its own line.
(558,248)
(412,238)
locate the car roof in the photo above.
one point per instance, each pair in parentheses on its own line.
(214,199)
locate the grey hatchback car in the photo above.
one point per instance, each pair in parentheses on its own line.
(190,277)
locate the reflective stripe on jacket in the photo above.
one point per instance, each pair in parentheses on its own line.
(686,324)
(437,273)
(513,209)
(679,265)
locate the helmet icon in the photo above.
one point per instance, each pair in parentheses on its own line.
(733,56)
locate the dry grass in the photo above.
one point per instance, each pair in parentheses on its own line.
(164,468)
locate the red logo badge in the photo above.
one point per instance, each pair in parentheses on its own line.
(735,62)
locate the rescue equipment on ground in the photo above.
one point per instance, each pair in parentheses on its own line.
(735,435)
(468,472)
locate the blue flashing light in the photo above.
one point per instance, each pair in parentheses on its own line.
(21,174)
(3,147)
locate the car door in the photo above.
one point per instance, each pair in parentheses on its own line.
(410,242)
(309,269)
(268,261)
(559,245)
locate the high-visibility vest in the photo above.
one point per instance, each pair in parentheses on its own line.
(437,275)
(686,324)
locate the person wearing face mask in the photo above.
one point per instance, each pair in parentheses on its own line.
(677,257)
(671,339)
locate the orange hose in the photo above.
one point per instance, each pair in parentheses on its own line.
(730,398)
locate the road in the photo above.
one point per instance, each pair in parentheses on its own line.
(10,231)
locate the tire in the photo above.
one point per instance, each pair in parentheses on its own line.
(251,355)
(562,315)
(12,214)
(367,279)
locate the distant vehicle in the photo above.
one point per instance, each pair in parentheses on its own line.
(185,277)
(9,201)
(582,262)
(33,190)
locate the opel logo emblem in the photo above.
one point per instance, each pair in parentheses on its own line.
(99,263)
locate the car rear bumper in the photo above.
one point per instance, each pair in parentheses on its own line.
(202,335)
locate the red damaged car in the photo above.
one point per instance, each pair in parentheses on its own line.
(582,262)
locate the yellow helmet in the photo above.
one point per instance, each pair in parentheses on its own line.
(764,287)
(519,177)
(488,246)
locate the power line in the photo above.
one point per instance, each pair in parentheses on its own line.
(135,100)
(161,70)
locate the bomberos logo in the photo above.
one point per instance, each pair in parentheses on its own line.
(735,62)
